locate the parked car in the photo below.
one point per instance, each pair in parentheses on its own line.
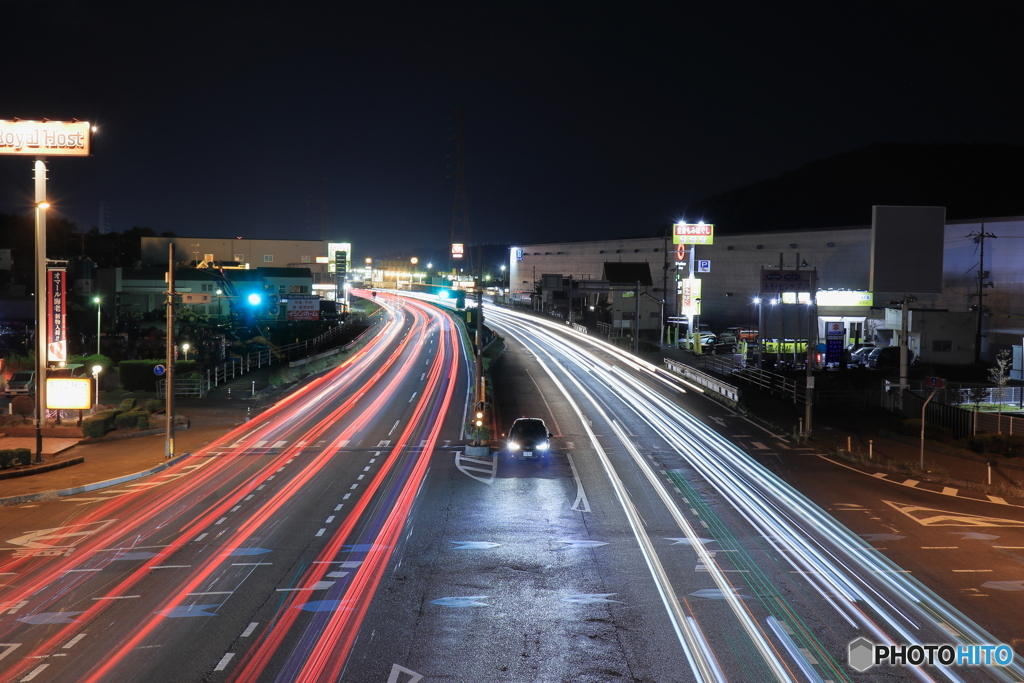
(707,342)
(860,356)
(739,334)
(887,357)
(22,383)
(528,438)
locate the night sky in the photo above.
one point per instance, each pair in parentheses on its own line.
(583,120)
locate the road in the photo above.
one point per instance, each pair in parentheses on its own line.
(340,538)
(257,558)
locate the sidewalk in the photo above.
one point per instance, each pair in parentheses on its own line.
(210,417)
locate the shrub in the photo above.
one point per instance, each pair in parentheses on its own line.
(10,457)
(154,405)
(1011,446)
(132,419)
(282,376)
(93,427)
(138,375)
(143,420)
(24,406)
(127,405)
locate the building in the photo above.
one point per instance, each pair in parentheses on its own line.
(943,326)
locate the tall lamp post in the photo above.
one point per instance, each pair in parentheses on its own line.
(96,300)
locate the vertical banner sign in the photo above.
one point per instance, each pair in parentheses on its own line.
(835,335)
(458,250)
(690,296)
(340,273)
(56,324)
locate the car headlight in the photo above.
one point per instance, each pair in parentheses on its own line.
(542,446)
(513,446)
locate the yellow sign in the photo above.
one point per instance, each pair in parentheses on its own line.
(45,138)
(690,296)
(785,347)
(693,233)
(63,393)
(830,297)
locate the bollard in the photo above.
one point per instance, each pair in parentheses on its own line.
(801,426)
(229,393)
(247,409)
(848,448)
(254,387)
(989,472)
(871,449)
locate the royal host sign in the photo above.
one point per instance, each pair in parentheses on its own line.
(45,138)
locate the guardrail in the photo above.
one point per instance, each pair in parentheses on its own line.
(727,391)
(773,383)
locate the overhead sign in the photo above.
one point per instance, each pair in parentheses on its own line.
(690,296)
(65,393)
(332,254)
(303,308)
(693,233)
(458,250)
(779,281)
(56,324)
(196,298)
(45,138)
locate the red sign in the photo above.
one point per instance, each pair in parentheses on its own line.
(56,323)
(302,308)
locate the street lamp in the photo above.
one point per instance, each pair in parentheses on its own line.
(96,370)
(185,347)
(96,300)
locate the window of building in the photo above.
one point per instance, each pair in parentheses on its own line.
(208,287)
(304,259)
(281,289)
(942,344)
(240,258)
(299,289)
(268,258)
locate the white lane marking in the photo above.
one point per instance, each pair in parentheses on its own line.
(251,564)
(300,444)
(74,641)
(321,532)
(413,397)
(345,497)
(250,496)
(360,476)
(470,468)
(279,469)
(338,506)
(235,509)
(940,547)
(397,669)
(997,499)
(271,477)
(476,460)
(221,520)
(491,469)
(911,483)
(329,519)
(759,446)
(118,597)
(35,672)
(422,376)
(211,593)
(280,444)
(11,647)
(222,664)
(68,571)
(394,427)
(366,469)
(386,442)
(260,444)
(249,629)
(201,536)
(318,586)
(949,491)
(971,571)
(337,575)
(353,486)
(260,487)
(581,504)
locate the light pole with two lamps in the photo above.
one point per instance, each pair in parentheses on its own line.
(96,300)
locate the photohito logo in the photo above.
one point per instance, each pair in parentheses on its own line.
(863,654)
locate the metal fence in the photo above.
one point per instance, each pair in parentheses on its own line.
(198,386)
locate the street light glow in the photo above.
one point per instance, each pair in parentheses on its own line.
(254,299)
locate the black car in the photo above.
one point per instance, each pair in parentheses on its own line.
(887,358)
(528,438)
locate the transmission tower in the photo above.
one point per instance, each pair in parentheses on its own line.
(460,206)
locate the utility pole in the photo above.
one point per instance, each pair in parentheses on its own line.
(460,205)
(169,386)
(979,239)
(812,338)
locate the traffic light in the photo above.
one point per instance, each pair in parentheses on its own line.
(460,300)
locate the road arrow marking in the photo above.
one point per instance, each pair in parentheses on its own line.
(462,601)
(397,669)
(933,517)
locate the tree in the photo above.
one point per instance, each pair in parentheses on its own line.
(24,406)
(1000,375)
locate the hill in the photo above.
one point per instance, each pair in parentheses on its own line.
(970,180)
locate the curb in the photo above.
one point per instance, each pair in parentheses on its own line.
(132,435)
(53,495)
